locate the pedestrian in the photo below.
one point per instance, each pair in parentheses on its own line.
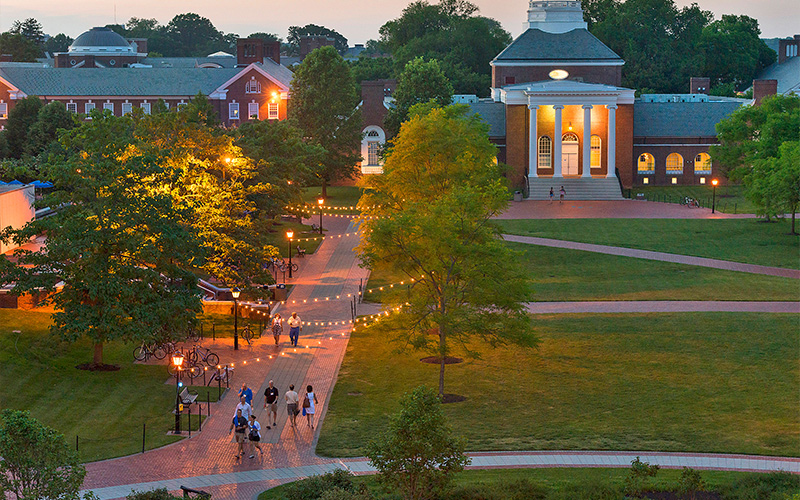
(271,403)
(562,194)
(247,393)
(277,328)
(292,399)
(295,325)
(244,407)
(255,436)
(240,424)
(309,405)
(551,194)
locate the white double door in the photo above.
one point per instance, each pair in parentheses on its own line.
(569,158)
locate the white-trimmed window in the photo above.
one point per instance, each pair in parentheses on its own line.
(182,104)
(646,164)
(166,104)
(702,164)
(109,106)
(253,86)
(273,111)
(146,108)
(127,108)
(373,153)
(545,152)
(3,110)
(674,164)
(596,148)
(252,110)
(88,107)
(72,107)
(233,111)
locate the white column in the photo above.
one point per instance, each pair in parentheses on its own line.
(587,141)
(533,149)
(557,142)
(612,141)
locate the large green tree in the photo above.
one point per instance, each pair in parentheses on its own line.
(428,218)
(57,43)
(116,250)
(51,118)
(22,117)
(29,28)
(419,82)
(298,32)
(194,35)
(325,105)
(733,51)
(20,48)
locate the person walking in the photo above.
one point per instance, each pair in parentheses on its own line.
(309,405)
(240,424)
(277,328)
(271,403)
(244,407)
(552,194)
(255,436)
(295,325)
(292,399)
(562,194)
(247,393)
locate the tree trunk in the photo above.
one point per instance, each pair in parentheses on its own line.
(793,216)
(441,363)
(98,354)
(325,188)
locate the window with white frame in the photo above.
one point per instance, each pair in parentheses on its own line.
(109,106)
(3,110)
(182,104)
(646,164)
(233,111)
(702,164)
(146,108)
(674,164)
(127,108)
(253,86)
(88,107)
(373,153)
(252,110)
(596,147)
(545,151)
(273,111)
(166,104)
(72,107)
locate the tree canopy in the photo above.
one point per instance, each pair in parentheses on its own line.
(298,32)
(733,52)
(420,82)
(20,48)
(185,35)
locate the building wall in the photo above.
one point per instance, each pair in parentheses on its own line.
(607,75)
(660,148)
(64,60)
(517,143)
(270,92)
(373,93)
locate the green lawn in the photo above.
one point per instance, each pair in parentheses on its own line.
(566,275)
(338,196)
(740,240)
(706,382)
(106,410)
(730,199)
(574,484)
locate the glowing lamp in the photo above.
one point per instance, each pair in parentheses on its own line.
(714,182)
(558,74)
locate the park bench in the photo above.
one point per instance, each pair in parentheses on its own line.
(187,398)
(301,252)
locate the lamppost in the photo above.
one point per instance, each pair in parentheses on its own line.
(177,361)
(235,292)
(320,201)
(714,183)
(289,235)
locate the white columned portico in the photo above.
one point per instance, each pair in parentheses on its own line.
(612,141)
(533,149)
(557,141)
(587,141)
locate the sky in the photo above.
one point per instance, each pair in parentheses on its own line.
(358,20)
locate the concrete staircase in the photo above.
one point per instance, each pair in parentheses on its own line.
(577,188)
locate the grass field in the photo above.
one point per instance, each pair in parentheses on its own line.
(741,240)
(730,199)
(565,275)
(105,409)
(338,196)
(706,382)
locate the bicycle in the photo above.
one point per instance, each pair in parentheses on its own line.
(144,351)
(192,335)
(196,355)
(691,202)
(283,266)
(223,374)
(249,334)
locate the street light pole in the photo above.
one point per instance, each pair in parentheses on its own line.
(289,235)
(714,183)
(177,361)
(320,201)
(235,292)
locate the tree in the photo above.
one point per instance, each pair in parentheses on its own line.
(324,103)
(30,29)
(372,68)
(773,184)
(270,37)
(298,32)
(428,217)
(193,35)
(37,463)
(20,48)
(419,82)
(419,454)
(117,243)
(733,50)
(20,120)
(58,43)
(51,118)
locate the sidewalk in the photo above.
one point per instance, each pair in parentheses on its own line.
(623,209)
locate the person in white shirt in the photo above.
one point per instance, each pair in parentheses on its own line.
(255,436)
(291,405)
(247,410)
(295,325)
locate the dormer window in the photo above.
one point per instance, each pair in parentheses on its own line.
(252,87)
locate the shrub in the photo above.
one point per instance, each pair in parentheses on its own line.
(314,487)
(771,486)
(690,483)
(634,482)
(159,494)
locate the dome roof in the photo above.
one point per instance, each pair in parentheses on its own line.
(99,37)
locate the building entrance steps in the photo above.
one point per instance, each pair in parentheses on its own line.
(577,188)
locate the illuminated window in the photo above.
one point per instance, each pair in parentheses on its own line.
(273,111)
(702,164)
(233,111)
(373,153)
(127,108)
(702,180)
(596,148)
(253,86)
(252,110)
(72,107)
(674,180)
(646,164)
(674,164)
(3,110)
(545,152)
(645,180)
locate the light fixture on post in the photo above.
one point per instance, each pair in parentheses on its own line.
(235,293)
(290,234)
(714,183)
(177,362)
(320,202)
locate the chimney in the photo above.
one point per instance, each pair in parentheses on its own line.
(699,85)
(255,50)
(787,48)
(764,88)
(6,58)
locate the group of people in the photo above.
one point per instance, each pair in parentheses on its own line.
(561,194)
(294,323)
(245,425)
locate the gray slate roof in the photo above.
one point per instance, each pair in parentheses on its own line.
(787,74)
(681,119)
(493,113)
(576,45)
(188,62)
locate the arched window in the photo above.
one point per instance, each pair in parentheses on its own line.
(702,164)
(371,145)
(596,148)
(373,133)
(674,164)
(253,86)
(545,152)
(646,164)
(569,137)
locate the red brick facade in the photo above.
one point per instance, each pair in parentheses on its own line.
(510,75)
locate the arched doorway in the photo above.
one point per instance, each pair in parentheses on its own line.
(569,154)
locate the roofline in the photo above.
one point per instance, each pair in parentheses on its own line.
(224,87)
(563,62)
(11,86)
(115,97)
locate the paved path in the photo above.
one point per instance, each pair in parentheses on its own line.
(622,209)
(662,256)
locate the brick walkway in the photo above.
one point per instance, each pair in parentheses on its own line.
(662,256)
(623,209)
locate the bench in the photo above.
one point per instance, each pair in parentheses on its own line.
(187,398)
(314,228)
(301,252)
